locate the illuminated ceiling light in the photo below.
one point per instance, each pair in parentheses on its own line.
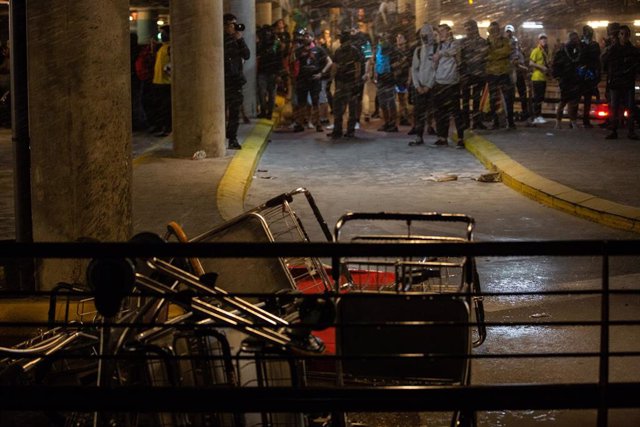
(446,22)
(532,25)
(458,36)
(484,24)
(636,23)
(160,22)
(597,24)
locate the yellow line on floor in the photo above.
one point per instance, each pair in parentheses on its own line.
(552,193)
(237,178)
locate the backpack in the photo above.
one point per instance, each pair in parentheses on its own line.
(383,62)
(145,63)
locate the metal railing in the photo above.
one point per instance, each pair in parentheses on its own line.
(303,396)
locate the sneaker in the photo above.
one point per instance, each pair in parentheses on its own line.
(298,128)
(334,135)
(392,129)
(460,144)
(319,128)
(441,142)
(329,127)
(357,126)
(412,131)
(539,120)
(418,141)
(612,135)
(431,130)
(405,122)
(479,125)
(234,145)
(310,126)
(511,126)
(292,126)
(382,128)
(573,125)
(558,124)
(350,135)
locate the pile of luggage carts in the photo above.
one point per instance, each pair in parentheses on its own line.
(262,322)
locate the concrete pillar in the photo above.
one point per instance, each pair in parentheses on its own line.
(147,25)
(276,12)
(198,78)
(433,11)
(263,13)
(80,127)
(421,13)
(245,11)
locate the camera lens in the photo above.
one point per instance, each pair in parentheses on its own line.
(240,27)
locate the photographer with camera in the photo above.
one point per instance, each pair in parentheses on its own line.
(235,52)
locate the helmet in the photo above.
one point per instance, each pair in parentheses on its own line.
(510,28)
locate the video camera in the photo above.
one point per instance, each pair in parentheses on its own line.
(239,27)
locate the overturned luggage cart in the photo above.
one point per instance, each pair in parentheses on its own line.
(407,320)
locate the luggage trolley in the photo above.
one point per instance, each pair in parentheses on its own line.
(406,320)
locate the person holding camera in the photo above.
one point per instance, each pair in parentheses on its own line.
(235,52)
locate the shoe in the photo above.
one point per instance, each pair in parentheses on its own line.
(479,126)
(350,135)
(441,142)
(633,136)
(319,128)
(573,125)
(310,126)
(511,126)
(234,145)
(334,135)
(324,121)
(392,129)
(558,124)
(357,126)
(298,128)
(418,141)
(431,131)
(382,128)
(405,122)
(460,144)
(329,127)
(612,135)
(587,125)
(412,131)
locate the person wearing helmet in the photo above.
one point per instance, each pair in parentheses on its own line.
(473,78)
(499,69)
(520,70)
(423,78)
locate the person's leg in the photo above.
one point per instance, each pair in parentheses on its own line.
(338,109)
(235,104)
(476,117)
(586,110)
(314,90)
(352,97)
(442,113)
(630,105)
(508,91)
(262,94)
(539,88)
(560,109)
(454,99)
(494,99)
(522,93)
(271,95)
(573,111)
(465,90)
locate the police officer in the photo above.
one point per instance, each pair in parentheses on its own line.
(235,52)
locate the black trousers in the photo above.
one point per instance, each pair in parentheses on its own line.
(472,85)
(501,83)
(346,95)
(539,90)
(233,99)
(446,103)
(422,105)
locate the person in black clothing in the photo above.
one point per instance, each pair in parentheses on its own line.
(270,67)
(235,52)
(565,68)
(348,61)
(313,63)
(622,62)
(589,72)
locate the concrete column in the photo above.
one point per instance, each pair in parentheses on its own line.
(147,25)
(421,13)
(245,11)
(263,13)
(198,78)
(276,12)
(80,127)
(433,11)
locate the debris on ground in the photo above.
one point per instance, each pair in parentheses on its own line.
(199,155)
(441,178)
(490,177)
(539,315)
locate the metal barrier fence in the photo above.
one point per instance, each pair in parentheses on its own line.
(290,372)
